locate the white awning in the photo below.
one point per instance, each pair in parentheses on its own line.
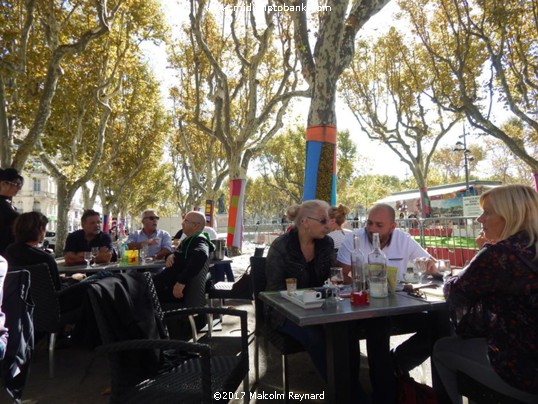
(431,192)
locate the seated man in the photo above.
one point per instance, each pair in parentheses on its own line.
(158,241)
(399,248)
(189,259)
(89,236)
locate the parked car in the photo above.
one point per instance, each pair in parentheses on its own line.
(50,237)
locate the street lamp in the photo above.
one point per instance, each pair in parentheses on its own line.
(462,147)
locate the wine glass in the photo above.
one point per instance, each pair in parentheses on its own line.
(95,252)
(88,258)
(420,268)
(337,279)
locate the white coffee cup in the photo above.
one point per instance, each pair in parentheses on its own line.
(310,296)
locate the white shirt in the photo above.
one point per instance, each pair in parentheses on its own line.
(338,236)
(402,248)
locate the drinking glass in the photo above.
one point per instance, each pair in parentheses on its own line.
(420,268)
(337,279)
(88,258)
(143,254)
(443,268)
(95,252)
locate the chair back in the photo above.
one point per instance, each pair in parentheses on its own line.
(195,290)
(257,273)
(123,306)
(18,308)
(44,295)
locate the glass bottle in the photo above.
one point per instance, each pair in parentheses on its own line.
(359,293)
(377,270)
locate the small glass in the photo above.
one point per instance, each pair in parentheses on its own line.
(88,258)
(143,254)
(337,279)
(95,252)
(444,269)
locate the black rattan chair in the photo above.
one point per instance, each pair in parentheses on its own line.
(48,317)
(285,344)
(194,295)
(18,307)
(138,374)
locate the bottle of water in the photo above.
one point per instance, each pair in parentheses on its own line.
(124,258)
(377,270)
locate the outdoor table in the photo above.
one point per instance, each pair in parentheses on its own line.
(336,319)
(153,266)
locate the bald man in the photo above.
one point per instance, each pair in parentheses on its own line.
(189,259)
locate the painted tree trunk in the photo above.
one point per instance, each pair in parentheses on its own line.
(425,204)
(320,166)
(235,213)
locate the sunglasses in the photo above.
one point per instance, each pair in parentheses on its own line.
(323,221)
(15,184)
(152,217)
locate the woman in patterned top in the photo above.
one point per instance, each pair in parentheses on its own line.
(494,301)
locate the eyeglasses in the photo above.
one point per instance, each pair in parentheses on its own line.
(152,217)
(323,221)
(15,184)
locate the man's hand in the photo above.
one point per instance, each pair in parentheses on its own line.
(178,290)
(78,277)
(431,266)
(169,261)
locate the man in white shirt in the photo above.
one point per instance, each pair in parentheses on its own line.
(399,248)
(158,241)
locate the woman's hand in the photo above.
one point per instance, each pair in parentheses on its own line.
(481,240)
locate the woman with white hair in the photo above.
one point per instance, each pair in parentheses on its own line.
(494,301)
(307,254)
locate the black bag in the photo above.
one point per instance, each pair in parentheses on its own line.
(412,392)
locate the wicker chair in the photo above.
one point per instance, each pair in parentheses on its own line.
(18,307)
(193,379)
(48,317)
(285,344)
(194,295)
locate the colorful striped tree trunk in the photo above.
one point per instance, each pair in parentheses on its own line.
(320,168)
(235,215)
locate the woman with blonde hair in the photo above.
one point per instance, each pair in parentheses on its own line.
(337,217)
(307,254)
(494,301)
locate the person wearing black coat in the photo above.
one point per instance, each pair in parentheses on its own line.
(10,184)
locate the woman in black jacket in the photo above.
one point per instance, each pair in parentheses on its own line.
(307,254)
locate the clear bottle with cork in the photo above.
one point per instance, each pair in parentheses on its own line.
(359,291)
(377,270)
